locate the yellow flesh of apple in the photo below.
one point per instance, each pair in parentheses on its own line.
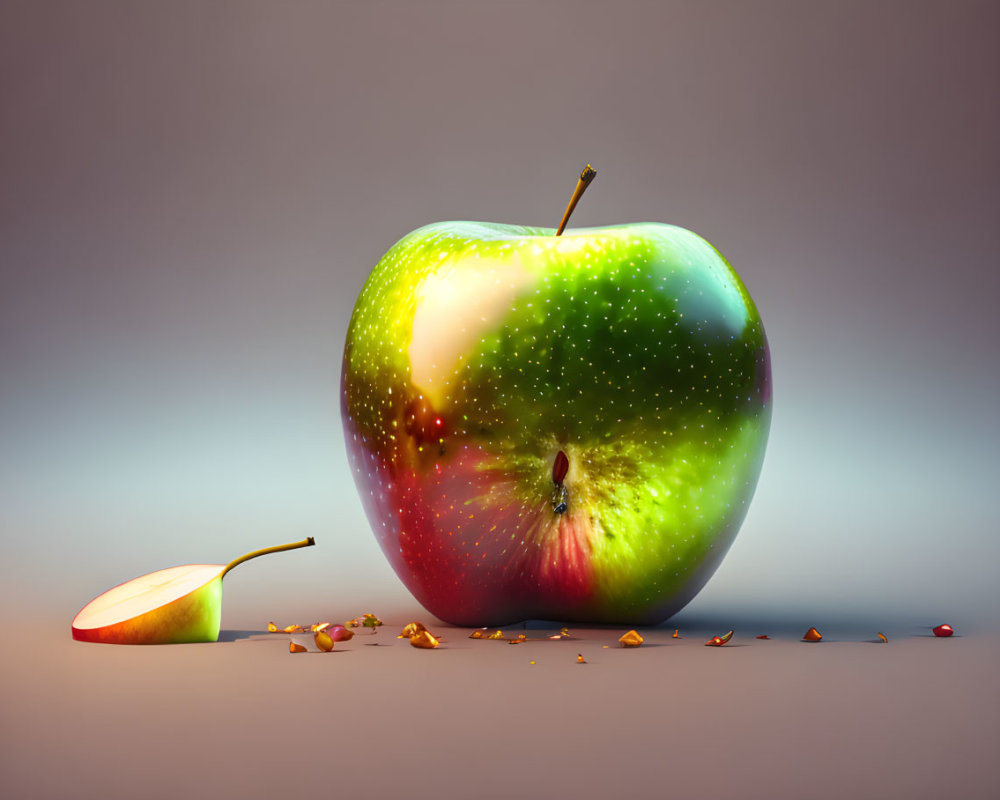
(180,604)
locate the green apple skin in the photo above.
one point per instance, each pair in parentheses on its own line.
(477,352)
(194,617)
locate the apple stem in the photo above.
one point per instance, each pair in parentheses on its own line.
(581,186)
(277,549)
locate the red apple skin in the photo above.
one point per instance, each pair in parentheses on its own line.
(943,630)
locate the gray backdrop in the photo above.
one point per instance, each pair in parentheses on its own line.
(193,194)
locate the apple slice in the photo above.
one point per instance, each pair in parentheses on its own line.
(170,606)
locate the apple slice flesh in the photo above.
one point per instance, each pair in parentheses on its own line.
(171,606)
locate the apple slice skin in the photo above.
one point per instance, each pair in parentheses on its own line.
(471,361)
(193,617)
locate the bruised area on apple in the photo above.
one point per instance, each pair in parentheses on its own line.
(478,352)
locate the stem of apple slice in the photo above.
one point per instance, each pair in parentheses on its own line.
(586,177)
(277,549)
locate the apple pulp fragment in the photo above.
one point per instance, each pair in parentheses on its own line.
(479,354)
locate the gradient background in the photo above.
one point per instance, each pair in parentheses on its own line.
(192,195)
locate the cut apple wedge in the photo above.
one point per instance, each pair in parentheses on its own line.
(171,606)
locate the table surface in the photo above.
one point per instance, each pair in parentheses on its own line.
(846,717)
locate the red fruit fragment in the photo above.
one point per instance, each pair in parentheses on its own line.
(812,635)
(560,467)
(943,630)
(295,648)
(763,636)
(339,633)
(718,641)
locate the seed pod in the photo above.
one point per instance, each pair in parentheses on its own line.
(560,467)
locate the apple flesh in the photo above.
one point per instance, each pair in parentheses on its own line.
(480,356)
(171,606)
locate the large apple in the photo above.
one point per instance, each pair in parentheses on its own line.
(555,427)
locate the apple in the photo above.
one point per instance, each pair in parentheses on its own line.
(555,427)
(171,606)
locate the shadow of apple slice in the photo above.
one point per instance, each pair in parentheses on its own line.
(170,606)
